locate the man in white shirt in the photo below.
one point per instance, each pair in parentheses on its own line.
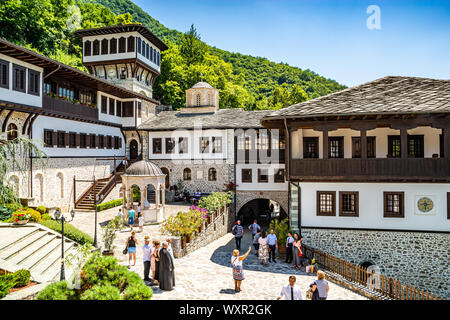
(146,255)
(291,291)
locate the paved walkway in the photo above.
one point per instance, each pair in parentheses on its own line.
(207,274)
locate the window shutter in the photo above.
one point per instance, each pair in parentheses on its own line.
(77,139)
(120,142)
(55,138)
(97,139)
(66,139)
(88,141)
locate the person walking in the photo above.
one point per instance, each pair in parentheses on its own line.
(131,215)
(321,285)
(156,255)
(139,209)
(255,242)
(146,257)
(254,228)
(263,252)
(238,269)
(297,251)
(131,245)
(273,245)
(291,291)
(120,218)
(141,222)
(152,259)
(238,232)
(289,242)
(166,269)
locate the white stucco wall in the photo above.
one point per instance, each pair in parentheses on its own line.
(43,122)
(255,185)
(11,95)
(371,206)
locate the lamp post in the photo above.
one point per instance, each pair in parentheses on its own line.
(59,216)
(97,198)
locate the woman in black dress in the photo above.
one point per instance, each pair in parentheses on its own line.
(157,257)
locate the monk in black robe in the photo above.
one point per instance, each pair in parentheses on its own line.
(166,269)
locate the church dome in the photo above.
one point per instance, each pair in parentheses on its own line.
(202,85)
(144,168)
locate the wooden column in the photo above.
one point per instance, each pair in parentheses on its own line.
(446,134)
(403,143)
(363,144)
(325,144)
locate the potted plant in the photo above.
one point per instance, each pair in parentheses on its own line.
(281,229)
(21,218)
(109,234)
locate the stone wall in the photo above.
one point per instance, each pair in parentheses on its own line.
(417,258)
(215,230)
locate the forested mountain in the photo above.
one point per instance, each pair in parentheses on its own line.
(243,81)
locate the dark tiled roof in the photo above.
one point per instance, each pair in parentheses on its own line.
(389,95)
(144,168)
(221,119)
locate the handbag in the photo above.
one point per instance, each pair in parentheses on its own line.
(309,294)
(125,251)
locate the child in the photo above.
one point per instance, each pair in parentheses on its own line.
(141,222)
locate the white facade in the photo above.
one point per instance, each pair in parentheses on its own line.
(43,122)
(193,152)
(371,210)
(23,98)
(271,185)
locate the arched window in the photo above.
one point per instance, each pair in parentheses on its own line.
(87,48)
(187,174)
(113,45)
(130,44)
(105,43)
(212,174)
(96,47)
(198,100)
(60,184)
(122,45)
(11,131)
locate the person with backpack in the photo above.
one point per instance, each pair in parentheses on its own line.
(256,237)
(320,287)
(238,232)
(238,269)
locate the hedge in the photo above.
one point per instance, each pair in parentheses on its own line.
(18,279)
(109,204)
(69,231)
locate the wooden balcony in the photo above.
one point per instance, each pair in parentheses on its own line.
(68,109)
(368,170)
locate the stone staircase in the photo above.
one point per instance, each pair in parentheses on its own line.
(35,248)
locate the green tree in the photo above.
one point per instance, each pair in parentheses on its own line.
(192,49)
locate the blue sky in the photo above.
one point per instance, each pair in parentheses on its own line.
(329,37)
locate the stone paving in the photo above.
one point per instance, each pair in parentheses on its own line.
(207,274)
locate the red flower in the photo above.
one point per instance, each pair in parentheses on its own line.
(16,220)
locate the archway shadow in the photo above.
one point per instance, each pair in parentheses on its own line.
(222,256)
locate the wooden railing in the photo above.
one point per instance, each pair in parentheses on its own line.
(381,284)
(417,169)
(67,108)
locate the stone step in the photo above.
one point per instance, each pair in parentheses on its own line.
(35,258)
(54,273)
(17,247)
(45,269)
(18,240)
(32,249)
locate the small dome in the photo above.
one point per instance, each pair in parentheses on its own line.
(202,85)
(144,168)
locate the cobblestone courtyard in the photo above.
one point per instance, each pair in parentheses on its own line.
(207,274)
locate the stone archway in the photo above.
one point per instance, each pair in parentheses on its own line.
(166,172)
(281,197)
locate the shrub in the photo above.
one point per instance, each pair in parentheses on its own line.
(33,214)
(184,223)
(69,231)
(101,292)
(13,206)
(45,217)
(57,291)
(109,204)
(22,278)
(138,292)
(42,210)
(7,282)
(5,213)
